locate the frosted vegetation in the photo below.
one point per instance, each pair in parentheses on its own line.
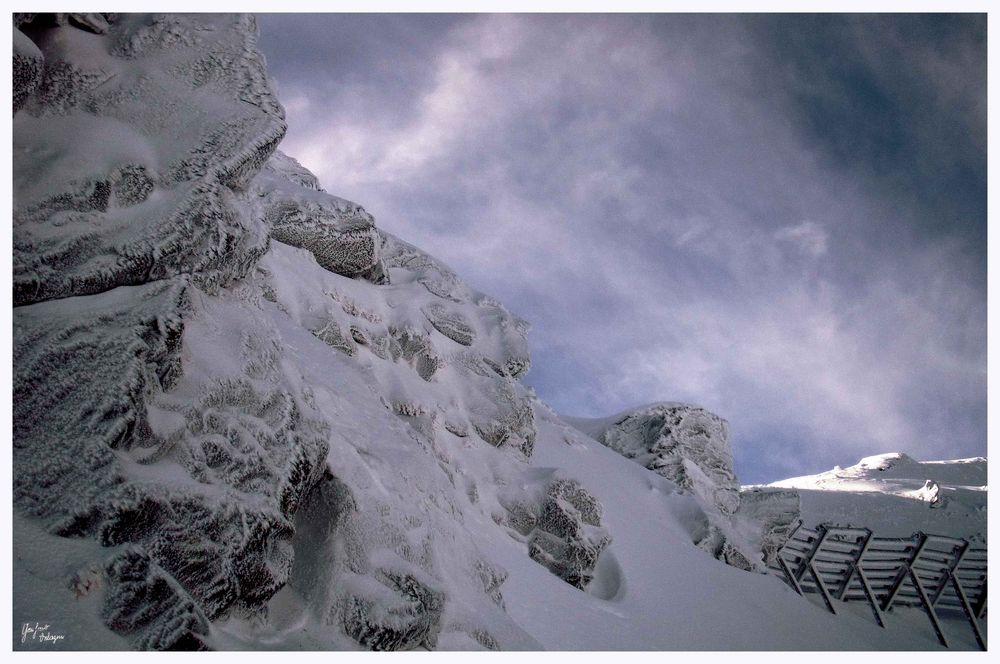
(245,417)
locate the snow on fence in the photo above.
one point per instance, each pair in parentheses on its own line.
(934,572)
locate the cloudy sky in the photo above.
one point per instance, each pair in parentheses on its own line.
(782,219)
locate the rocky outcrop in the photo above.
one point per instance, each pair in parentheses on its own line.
(450,324)
(83,374)
(715,542)
(560,522)
(341,235)
(568,537)
(136,188)
(686,444)
(411,618)
(144,603)
(689,446)
(238,384)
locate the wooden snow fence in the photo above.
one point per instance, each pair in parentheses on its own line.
(939,574)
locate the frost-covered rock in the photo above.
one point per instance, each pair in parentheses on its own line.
(715,542)
(411,616)
(27,68)
(930,493)
(147,158)
(84,370)
(560,521)
(686,444)
(450,324)
(568,537)
(689,446)
(341,235)
(777,511)
(145,604)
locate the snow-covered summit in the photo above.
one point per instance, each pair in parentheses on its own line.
(894,494)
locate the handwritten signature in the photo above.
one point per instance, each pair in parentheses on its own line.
(39,632)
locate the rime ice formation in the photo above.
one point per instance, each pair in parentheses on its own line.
(131,164)
(246,417)
(686,444)
(776,510)
(167,264)
(690,447)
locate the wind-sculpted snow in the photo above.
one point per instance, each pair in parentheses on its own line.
(132,167)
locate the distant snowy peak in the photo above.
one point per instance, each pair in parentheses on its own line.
(896,495)
(892,473)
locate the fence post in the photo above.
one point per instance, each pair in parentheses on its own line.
(897,584)
(856,569)
(964,601)
(855,563)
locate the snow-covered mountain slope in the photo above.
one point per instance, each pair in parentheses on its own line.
(245,417)
(895,495)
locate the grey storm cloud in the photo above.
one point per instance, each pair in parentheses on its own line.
(781,218)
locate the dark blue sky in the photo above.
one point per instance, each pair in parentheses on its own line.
(781,218)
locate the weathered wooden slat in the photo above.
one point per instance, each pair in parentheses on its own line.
(947,574)
(824,593)
(929,608)
(833,544)
(972,569)
(936,557)
(835,556)
(794,582)
(931,579)
(878,566)
(931,566)
(980,605)
(882,554)
(937,540)
(850,564)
